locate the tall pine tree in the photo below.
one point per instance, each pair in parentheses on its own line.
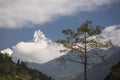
(85,37)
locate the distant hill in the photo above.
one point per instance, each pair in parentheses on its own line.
(99,72)
(18,71)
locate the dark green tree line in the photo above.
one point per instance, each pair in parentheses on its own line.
(12,71)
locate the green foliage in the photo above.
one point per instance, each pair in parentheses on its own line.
(12,71)
(84,38)
(115,73)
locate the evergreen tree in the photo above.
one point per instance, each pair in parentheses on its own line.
(85,37)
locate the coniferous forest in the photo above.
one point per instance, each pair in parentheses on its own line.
(18,71)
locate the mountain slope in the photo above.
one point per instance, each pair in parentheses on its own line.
(12,71)
(61,70)
(115,73)
(102,70)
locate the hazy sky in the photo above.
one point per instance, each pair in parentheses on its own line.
(20,18)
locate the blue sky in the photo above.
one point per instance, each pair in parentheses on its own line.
(105,15)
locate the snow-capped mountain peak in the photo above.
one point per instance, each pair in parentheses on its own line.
(8,51)
(38,36)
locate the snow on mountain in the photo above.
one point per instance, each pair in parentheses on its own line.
(39,36)
(8,51)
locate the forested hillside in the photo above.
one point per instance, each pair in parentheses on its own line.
(18,71)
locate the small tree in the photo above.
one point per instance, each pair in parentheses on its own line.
(85,38)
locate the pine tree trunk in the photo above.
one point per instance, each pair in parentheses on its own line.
(85,71)
(85,61)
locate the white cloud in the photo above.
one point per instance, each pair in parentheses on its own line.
(36,51)
(15,13)
(41,50)
(113,33)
